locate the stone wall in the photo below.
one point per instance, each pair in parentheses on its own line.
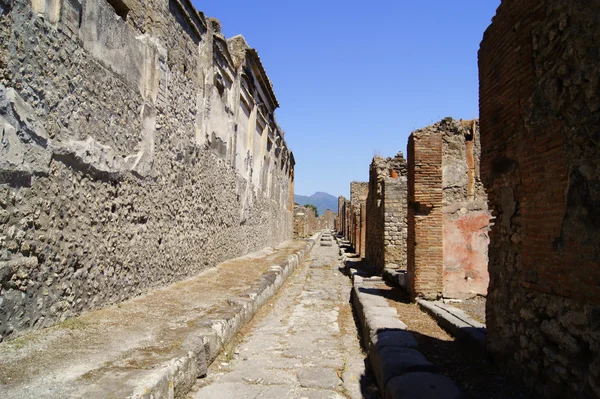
(425,251)
(386,229)
(139,147)
(448,217)
(466,218)
(340,219)
(539,101)
(305,222)
(327,221)
(358,197)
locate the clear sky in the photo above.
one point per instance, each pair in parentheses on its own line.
(354,78)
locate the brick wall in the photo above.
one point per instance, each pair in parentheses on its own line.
(386,213)
(358,195)
(541,164)
(425,249)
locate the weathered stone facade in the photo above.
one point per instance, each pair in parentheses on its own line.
(340,219)
(305,222)
(539,101)
(327,221)
(139,146)
(386,229)
(448,218)
(358,198)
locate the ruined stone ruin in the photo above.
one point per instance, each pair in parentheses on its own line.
(533,205)
(540,164)
(428,216)
(136,151)
(139,147)
(448,217)
(305,222)
(385,224)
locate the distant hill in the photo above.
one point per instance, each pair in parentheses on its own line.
(322,201)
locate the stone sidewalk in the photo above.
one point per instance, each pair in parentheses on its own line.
(155,345)
(306,346)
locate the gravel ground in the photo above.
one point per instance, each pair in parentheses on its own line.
(474,307)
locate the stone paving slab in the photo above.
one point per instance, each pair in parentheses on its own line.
(153,346)
(304,346)
(455,321)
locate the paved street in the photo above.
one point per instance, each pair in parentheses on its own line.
(302,345)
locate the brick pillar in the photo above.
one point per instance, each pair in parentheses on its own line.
(425,233)
(363,228)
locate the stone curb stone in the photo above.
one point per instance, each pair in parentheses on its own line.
(178,375)
(422,385)
(395,278)
(392,350)
(392,361)
(455,321)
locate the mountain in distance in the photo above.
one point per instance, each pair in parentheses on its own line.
(322,201)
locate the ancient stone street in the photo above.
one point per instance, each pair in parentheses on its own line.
(303,344)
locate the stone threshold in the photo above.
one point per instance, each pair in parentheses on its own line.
(142,368)
(455,321)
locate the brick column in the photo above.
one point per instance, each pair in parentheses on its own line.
(425,234)
(363,228)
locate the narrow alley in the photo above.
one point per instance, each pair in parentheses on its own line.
(302,344)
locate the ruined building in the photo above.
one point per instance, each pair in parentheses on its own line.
(448,217)
(327,221)
(340,220)
(539,101)
(357,216)
(386,230)
(305,221)
(139,146)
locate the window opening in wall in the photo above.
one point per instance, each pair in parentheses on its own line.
(120,8)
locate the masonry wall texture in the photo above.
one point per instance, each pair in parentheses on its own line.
(358,197)
(137,150)
(305,222)
(340,220)
(425,251)
(539,108)
(386,229)
(448,217)
(466,218)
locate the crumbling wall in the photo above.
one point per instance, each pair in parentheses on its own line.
(538,69)
(448,217)
(118,168)
(466,218)
(327,221)
(386,229)
(358,197)
(305,222)
(340,222)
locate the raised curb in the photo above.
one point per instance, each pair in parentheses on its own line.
(395,278)
(178,375)
(455,321)
(392,351)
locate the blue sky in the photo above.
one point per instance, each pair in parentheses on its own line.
(354,78)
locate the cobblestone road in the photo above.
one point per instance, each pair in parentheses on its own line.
(303,344)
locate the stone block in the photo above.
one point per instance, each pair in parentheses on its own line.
(422,385)
(393,361)
(397,338)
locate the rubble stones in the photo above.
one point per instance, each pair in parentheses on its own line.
(119,174)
